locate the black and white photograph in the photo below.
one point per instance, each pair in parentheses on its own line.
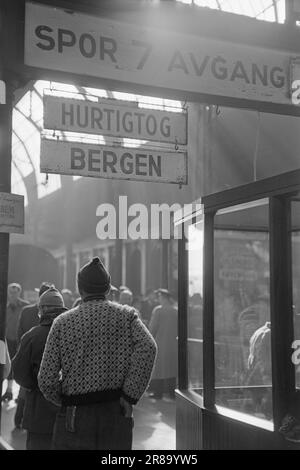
(149,228)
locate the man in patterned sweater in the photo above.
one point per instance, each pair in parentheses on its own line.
(97,363)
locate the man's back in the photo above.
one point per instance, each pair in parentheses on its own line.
(102,348)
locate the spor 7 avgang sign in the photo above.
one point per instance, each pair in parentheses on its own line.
(81,44)
(102,161)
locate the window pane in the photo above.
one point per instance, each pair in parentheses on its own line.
(242,309)
(296,285)
(195,338)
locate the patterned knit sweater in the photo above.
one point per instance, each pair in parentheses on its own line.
(97,352)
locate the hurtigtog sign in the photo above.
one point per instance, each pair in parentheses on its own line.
(114,118)
(86,45)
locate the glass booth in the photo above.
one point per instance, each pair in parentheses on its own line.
(239,316)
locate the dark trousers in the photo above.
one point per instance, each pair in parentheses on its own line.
(100,426)
(37,441)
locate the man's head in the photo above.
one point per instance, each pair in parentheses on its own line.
(126,297)
(151,294)
(13,292)
(93,278)
(164,296)
(51,300)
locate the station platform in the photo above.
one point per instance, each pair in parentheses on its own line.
(154,425)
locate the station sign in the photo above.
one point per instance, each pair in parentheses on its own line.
(114,118)
(87,45)
(2,92)
(11,213)
(123,163)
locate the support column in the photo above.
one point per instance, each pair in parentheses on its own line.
(5,159)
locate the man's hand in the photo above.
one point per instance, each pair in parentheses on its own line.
(126,408)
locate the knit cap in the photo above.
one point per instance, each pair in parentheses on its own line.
(93,278)
(51,298)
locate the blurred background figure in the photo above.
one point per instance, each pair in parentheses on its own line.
(113,294)
(250,319)
(126,297)
(29,315)
(163,327)
(29,318)
(13,310)
(68,298)
(7,365)
(121,288)
(148,305)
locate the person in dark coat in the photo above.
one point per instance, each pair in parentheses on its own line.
(39,414)
(13,310)
(29,318)
(163,327)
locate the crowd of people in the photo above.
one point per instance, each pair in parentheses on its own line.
(83,361)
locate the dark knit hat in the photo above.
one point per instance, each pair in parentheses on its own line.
(51,298)
(93,278)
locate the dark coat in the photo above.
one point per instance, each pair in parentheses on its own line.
(13,312)
(28,319)
(39,414)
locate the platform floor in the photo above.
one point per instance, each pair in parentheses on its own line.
(154,427)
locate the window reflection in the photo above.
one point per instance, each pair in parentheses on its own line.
(195,307)
(295,206)
(243,378)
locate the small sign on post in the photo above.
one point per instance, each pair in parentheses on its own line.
(2,92)
(11,213)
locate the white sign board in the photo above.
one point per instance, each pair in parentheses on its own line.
(11,213)
(104,48)
(2,352)
(101,161)
(2,92)
(114,118)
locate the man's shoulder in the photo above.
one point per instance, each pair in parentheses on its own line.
(93,308)
(157,309)
(23,303)
(32,333)
(121,309)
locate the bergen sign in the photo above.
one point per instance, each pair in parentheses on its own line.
(102,161)
(81,44)
(112,117)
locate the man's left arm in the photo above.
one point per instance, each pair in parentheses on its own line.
(142,361)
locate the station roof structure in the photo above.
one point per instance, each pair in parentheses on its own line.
(28,111)
(268,10)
